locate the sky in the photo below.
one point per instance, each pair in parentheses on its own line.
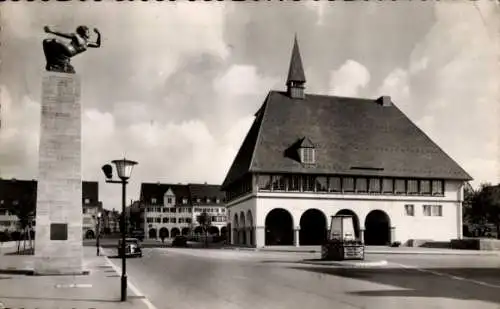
(175,85)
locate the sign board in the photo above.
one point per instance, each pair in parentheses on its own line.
(59,231)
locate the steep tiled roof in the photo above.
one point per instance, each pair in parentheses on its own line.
(206,190)
(26,190)
(351,136)
(158,190)
(189,191)
(90,190)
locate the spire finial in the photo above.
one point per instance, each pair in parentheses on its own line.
(296,77)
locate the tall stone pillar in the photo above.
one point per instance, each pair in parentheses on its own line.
(58,246)
(392,236)
(249,241)
(296,236)
(362,235)
(260,236)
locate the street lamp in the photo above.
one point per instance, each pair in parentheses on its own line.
(98,231)
(124,170)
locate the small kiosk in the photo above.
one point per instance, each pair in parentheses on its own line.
(341,243)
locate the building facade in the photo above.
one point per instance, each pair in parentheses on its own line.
(308,157)
(173,209)
(16,193)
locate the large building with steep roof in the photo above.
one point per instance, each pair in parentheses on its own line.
(172,209)
(308,157)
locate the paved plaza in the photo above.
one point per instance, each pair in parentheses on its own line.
(206,278)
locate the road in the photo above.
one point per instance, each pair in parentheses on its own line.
(209,278)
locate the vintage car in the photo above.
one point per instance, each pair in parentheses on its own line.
(132,247)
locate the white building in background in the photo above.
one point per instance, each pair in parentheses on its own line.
(173,209)
(308,157)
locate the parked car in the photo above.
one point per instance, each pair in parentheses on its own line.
(180,241)
(132,248)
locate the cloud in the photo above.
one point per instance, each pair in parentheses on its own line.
(349,79)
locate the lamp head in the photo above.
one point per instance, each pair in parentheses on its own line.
(108,171)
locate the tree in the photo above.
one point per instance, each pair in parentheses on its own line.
(24,210)
(482,206)
(205,222)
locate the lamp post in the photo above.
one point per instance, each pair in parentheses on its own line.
(124,170)
(98,232)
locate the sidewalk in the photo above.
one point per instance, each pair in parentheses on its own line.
(99,289)
(374,250)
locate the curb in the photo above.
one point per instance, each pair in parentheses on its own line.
(483,253)
(348,264)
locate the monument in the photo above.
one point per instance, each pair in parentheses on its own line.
(58,245)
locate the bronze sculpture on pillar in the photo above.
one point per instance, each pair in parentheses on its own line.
(58,53)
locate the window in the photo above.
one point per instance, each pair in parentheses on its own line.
(181,220)
(188,220)
(321,184)
(335,184)
(1,202)
(184,201)
(361,185)
(158,209)
(153,201)
(279,183)
(189,210)
(85,210)
(173,220)
(169,200)
(165,209)
(400,186)
(87,201)
(410,210)
(15,202)
(172,210)
(437,210)
(348,184)
(208,200)
(165,220)
(437,187)
(308,183)
(198,200)
(223,210)
(293,183)
(425,186)
(158,220)
(374,185)
(387,185)
(427,210)
(412,186)
(217,201)
(264,182)
(307,155)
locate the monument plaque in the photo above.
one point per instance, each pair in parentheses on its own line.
(58,231)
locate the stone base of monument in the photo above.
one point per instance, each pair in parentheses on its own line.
(58,245)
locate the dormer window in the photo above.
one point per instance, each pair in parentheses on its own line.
(198,200)
(184,201)
(153,201)
(307,155)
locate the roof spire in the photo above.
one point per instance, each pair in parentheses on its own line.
(296,77)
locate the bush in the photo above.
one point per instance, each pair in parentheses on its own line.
(396,244)
(15,236)
(4,236)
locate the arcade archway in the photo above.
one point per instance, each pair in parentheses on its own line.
(164,232)
(377,228)
(175,232)
(213,230)
(348,212)
(312,228)
(152,233)
(279,228)
(185,231)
